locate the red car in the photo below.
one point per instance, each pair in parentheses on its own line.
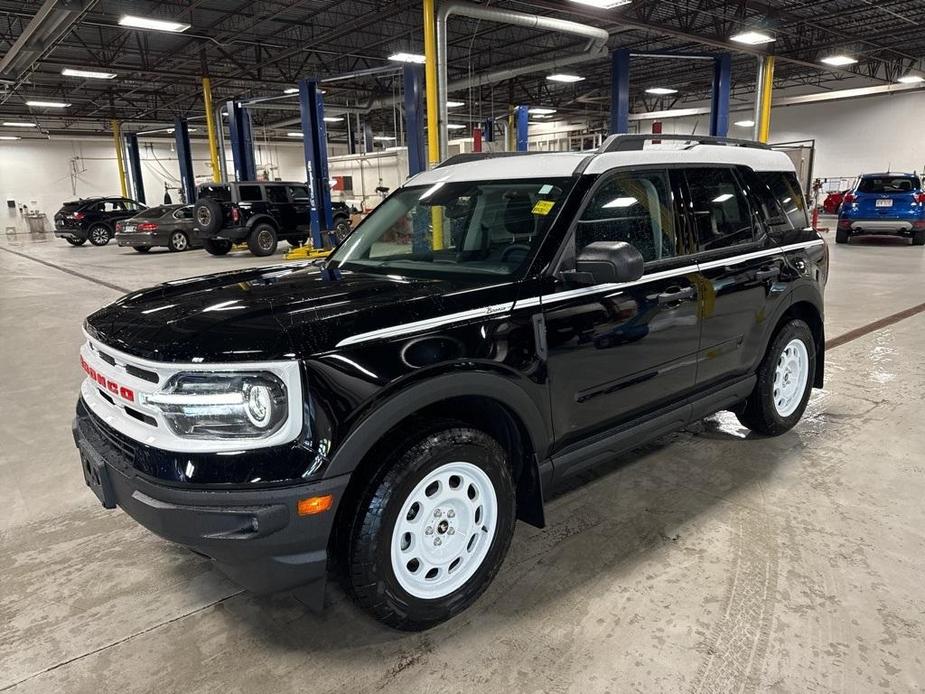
(833,202)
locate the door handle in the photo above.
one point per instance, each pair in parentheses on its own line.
(767,273)
(675,295)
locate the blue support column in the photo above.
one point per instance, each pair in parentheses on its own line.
(242,142)
(619,91)
(315,141)
(134,167)
(722,84)
(413,83)
(185,158)
(521,122)
(488,130)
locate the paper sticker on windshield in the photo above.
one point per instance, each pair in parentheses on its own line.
(543,207)
(545,190)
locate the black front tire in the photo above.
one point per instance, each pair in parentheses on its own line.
(99,235)
(841,236)
(142,249)
(262,240)
(216,246)
(367,558)
(76,242)
(759,412)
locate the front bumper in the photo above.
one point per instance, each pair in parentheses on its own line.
(254,536)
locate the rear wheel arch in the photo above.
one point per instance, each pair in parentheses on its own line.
(809,312)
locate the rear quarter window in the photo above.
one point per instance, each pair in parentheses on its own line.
(220,193)
(250,193)
(786,189)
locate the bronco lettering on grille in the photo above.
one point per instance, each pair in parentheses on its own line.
(111,386)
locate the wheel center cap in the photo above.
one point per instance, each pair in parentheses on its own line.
(442,526)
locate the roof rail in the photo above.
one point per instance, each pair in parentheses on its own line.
(633,143)
(478,156)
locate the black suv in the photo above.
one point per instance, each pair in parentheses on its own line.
(93,219)
(258,212)
(493,327)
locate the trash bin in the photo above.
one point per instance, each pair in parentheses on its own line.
(36,222)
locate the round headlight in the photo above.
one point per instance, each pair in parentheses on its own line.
(259,405)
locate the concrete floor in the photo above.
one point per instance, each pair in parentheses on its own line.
(707,562)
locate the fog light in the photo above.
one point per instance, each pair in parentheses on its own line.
(314,505)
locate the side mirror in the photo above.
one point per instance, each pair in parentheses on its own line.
(606,262)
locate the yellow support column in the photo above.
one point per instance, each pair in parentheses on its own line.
(765,87)
(210,126)
(433,128)
(117,141)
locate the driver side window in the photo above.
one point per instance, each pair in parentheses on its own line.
(631,206)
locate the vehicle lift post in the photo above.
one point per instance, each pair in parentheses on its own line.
(413,84)
(315,142)
(185,158)
(619,91)
(242,142)
(521,122)
(134,167)
(719,104)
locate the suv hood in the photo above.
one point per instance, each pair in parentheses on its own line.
(280,312)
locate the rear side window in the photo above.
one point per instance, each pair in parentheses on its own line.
(250,193)
(786,189)
(721,215)
(151,213)
(889,184)
(277,194)
(111,206)
(220,193)
(634,207)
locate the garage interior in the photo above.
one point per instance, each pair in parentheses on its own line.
(712,560)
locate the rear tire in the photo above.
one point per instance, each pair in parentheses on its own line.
(216,246)
(432,527)
(142,249)
(76,242)
(785,381)
(262,240)
(208,216)
(99,235)
(918,238)
(841,236)
(178,241)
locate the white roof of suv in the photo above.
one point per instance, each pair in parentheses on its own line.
(556,164)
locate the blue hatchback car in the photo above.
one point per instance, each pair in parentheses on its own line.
(884,203)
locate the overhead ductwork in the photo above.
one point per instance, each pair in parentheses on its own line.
(595,48)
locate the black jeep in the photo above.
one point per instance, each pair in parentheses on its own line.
(258,212)
(493,327)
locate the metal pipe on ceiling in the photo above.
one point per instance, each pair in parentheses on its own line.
(597,42)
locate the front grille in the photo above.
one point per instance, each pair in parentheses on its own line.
(106,358)
(143,374)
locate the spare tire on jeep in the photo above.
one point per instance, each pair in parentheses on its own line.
(209,216)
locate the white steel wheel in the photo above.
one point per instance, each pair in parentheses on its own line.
(790,376)
(444,530)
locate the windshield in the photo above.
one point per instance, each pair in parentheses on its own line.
(889,184)
(471,228)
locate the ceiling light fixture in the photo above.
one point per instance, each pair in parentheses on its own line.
(455,126)
(568,79)
(603,4)
(911,79)
(455,104)
(383,138)
(47,104)
(291,90)
(134,22)
(18,124)
(745,123)
(333,119)
(541,111)
(10,137)
(839,60)
(294,134)
(408,58)
(88,74)
(661,91)
(752,38)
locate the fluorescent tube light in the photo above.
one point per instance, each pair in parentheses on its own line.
(455,104)
(752,38)
(541,111)
(839,60)
(10,137)
(88,74)
(745,123)
(383,138)
(911,79)
(294,134)
(333,119)
(455,126)
(661,91)
(152,24)
(603,4)
(408,58)
(18,124)
(47,104)
(568,79)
